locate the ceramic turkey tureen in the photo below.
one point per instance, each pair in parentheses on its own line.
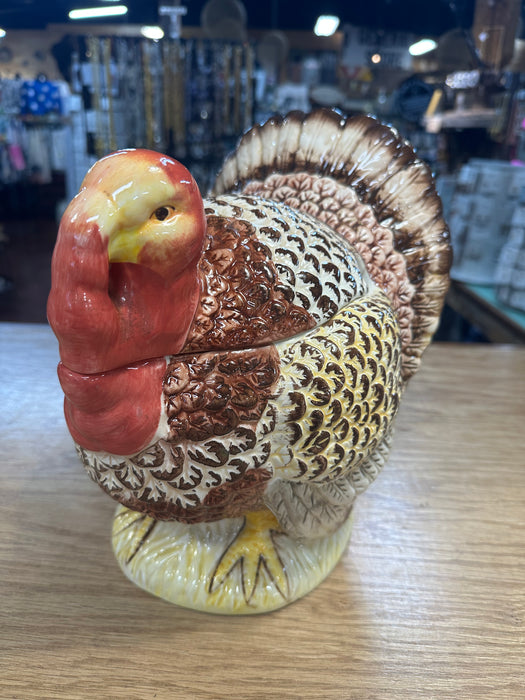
(232,367)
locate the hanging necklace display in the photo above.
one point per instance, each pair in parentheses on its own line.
(125,107)
(177,96)
(138,90)
(154,52)
(84,127)
(168,84)
(248,88)
(131,95)
(201,138)
(237,58)
(193,67)
(218,89)
(187,78)
(189,98)
(106,53)
(227,111)
(94,59)
(148,94)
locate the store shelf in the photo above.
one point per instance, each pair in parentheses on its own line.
(461,119)
(479,305)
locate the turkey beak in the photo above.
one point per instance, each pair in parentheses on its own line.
(124,245)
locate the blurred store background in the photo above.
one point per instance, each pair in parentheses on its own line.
(187,78)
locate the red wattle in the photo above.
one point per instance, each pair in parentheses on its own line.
(140,316)
(117,411)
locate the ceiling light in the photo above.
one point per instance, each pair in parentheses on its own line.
(326,25)
(422,46)
(154,33)
(2,32)
(376,58)
(90,12)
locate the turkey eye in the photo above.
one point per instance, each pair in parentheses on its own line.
(161,213)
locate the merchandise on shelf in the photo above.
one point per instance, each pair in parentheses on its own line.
(35,140)
(510,271)
(481,210)
(190,99)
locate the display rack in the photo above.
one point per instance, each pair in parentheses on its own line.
(479,305)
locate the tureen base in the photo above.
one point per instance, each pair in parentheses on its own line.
(233,566)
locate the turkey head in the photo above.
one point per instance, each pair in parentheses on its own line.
(128,246)
(124,292)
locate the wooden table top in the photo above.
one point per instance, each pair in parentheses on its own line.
(428,601)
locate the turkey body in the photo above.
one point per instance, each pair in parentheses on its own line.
(250,350)
(286,387)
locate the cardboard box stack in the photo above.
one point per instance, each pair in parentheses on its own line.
(510,272)
(485,197)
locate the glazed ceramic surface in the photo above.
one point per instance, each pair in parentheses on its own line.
(232,367)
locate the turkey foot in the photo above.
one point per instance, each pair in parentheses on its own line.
(255,552)
(135,528)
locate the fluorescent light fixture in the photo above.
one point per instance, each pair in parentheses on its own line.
(326,25)
(154,33)
(2,32)
(422,46)
(91,12)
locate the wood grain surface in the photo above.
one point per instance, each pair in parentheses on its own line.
(428,601)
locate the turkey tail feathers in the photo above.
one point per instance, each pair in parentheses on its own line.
(360,177)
